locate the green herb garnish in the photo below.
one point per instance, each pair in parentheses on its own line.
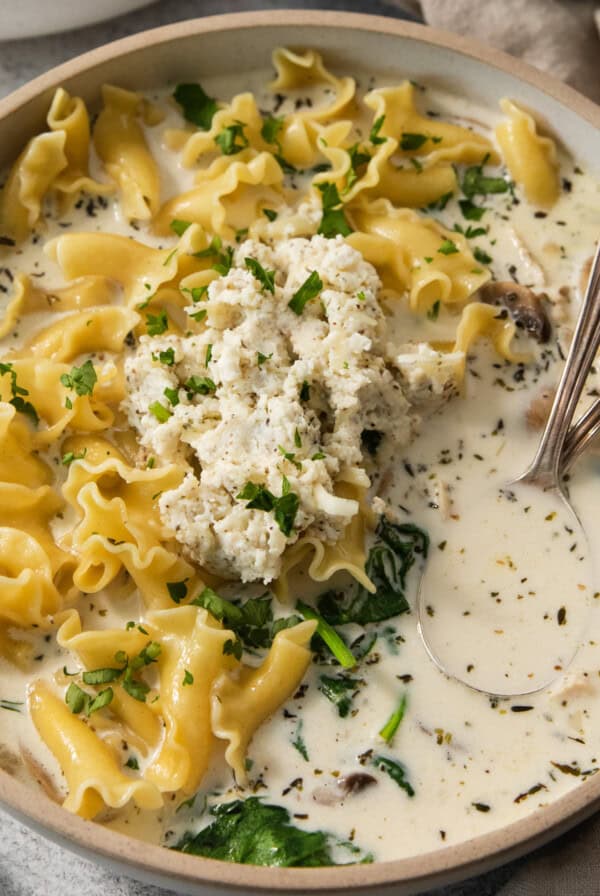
(395,770)
(475,182)
(470,211)
(310,289)
(157,324)
(179,227)
(328,634)
(374,136)
(393,723)
(199,385)
(81,379)
(448,248)
(251,832)
(196,105)
(270,214)
(333,221)
(17,392)
(232,139)
(411,142)
(339,691)
(388,563)
(177,591)
(271,127)
(159,411)
(267,278)
(481,256)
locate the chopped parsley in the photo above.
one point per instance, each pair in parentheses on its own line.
(159,411)
(177,590)
(310,289)
(70,456)
(267,278)
(81,379)
(224,259)
(179,227)
(481,256)
(17,392)
(448,248)
(132,763)
(198,316)
(208,354)
(79,700)
(411,142)
(271,127)
(304,394)
(232,139)
(157,324)
(198,293)
(471,211)
(172,395)
(270,214)
(284,508)
(374,135)
(260,358)
(358,159)
(475,182)
(188,678)
(196,105)
(167,357)
(101,676)
(199,385)
(333,221)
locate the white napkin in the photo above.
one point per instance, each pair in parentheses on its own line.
(558,36)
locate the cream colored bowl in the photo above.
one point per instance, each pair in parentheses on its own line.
(187,51)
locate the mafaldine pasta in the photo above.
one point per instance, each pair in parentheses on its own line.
(258,349)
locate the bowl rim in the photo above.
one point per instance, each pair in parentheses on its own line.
(408,875)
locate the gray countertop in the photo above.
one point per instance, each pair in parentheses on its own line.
(30,865)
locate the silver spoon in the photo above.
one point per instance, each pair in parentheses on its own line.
(504,606)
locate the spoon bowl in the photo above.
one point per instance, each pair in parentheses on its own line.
(503,603)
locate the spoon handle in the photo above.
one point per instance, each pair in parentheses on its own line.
(545,467)
(580,435)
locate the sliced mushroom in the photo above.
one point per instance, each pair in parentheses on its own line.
(331,794)
(524,306)
(539,408)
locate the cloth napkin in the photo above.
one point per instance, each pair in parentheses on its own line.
(558,36)
(561,37)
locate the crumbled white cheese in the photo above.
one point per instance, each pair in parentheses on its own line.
(242,431)
(429,378)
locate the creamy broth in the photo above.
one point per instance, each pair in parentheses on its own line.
(476,763)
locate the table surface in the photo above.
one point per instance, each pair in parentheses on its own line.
(30,865)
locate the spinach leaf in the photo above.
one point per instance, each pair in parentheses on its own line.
(340,690)
(388,563)
(254,833)
(395,770)
(251,621)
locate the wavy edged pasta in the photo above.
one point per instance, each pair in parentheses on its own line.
(416,255)
(119,524)
(298,137)
(98,330)
(93,775)
(120,142)
(227,196)
(29,180)
(530,159)
(479,320)
(444,141)
(69,115)
(241,701)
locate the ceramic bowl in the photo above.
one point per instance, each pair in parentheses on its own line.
(187,51)
(30,18)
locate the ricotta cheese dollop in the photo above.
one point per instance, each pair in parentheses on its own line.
(281,402)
